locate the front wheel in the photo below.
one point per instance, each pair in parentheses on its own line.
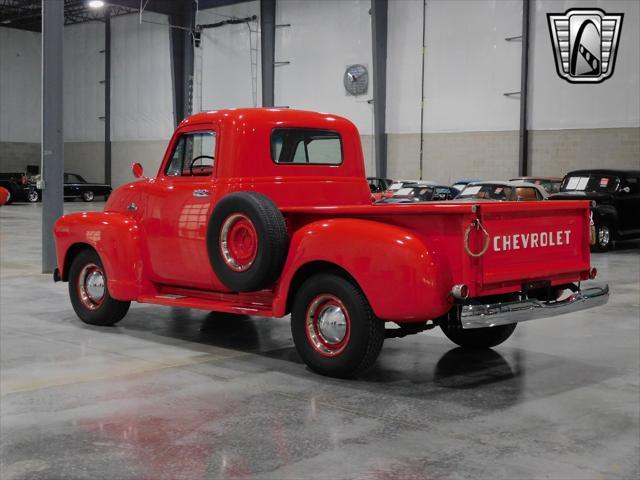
(333,327)
(477,338)
(88,196)
(89,292)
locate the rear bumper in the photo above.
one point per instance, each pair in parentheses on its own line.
(490,315)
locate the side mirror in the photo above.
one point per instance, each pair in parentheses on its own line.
(137,170)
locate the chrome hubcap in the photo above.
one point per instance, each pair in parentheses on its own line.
(332,324)
(91,286)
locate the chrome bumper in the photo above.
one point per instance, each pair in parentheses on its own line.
(480,316)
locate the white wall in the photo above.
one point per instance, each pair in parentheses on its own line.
(468,65)
(141,90)
(324,38)
(223,72)
(19,86)
(83,92)
(557,104)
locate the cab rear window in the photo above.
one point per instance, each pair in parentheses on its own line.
(306,146)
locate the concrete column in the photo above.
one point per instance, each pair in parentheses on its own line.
(268,47)
(379,43)
(52,154)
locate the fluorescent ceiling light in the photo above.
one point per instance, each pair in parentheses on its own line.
(96,4)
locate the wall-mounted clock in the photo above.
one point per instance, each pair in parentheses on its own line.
(356,79)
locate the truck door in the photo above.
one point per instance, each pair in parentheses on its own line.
(178,209)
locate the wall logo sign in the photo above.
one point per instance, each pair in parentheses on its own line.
(585,43)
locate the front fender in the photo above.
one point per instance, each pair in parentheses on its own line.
(115,237)
(400,276)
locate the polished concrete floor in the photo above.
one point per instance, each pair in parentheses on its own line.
(185,394)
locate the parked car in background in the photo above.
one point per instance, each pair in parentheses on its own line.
(4,195)
(16,184)
(378,186)
(395,186)
(615,195)
(503,191)
(460,184)
(74,187)
(550,184)
(425,193)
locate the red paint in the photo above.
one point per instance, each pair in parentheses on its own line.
(241,242)
(406,258)
(4,195)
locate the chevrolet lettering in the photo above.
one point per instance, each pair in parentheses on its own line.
(517,241)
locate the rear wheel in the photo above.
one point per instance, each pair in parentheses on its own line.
(477,338)
(333,327)
(88,196)
(89,292)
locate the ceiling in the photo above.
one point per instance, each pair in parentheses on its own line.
(26,14)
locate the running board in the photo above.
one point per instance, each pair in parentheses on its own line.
(256,303)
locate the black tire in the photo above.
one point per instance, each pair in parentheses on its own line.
(271,241)
(603,240)
(366,332)
(477,338)
(88,196)
(109,311)
(33,196)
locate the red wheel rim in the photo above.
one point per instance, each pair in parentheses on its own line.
(238,242)
(91,286)
(328,325)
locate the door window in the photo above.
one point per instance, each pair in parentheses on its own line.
(193,155)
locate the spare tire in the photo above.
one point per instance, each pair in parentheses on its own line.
(247,241)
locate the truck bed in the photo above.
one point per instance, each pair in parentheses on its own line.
(528,242)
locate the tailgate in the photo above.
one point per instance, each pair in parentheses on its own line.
(529,242)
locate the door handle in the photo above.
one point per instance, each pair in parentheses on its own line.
(201,193)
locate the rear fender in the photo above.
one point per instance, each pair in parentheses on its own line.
(400,276)
(116,239)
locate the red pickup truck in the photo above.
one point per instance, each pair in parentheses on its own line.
(268,212)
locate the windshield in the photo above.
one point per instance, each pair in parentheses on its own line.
(459,186)
(494,192)
(590,183)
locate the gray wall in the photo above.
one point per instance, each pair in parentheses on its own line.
(15,156)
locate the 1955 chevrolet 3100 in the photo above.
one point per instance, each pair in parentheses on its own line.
(268,212)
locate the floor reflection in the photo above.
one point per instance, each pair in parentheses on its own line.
(460,368)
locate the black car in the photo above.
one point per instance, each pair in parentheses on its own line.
(17,184)
(616,198)
(75,187)
(425,193)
